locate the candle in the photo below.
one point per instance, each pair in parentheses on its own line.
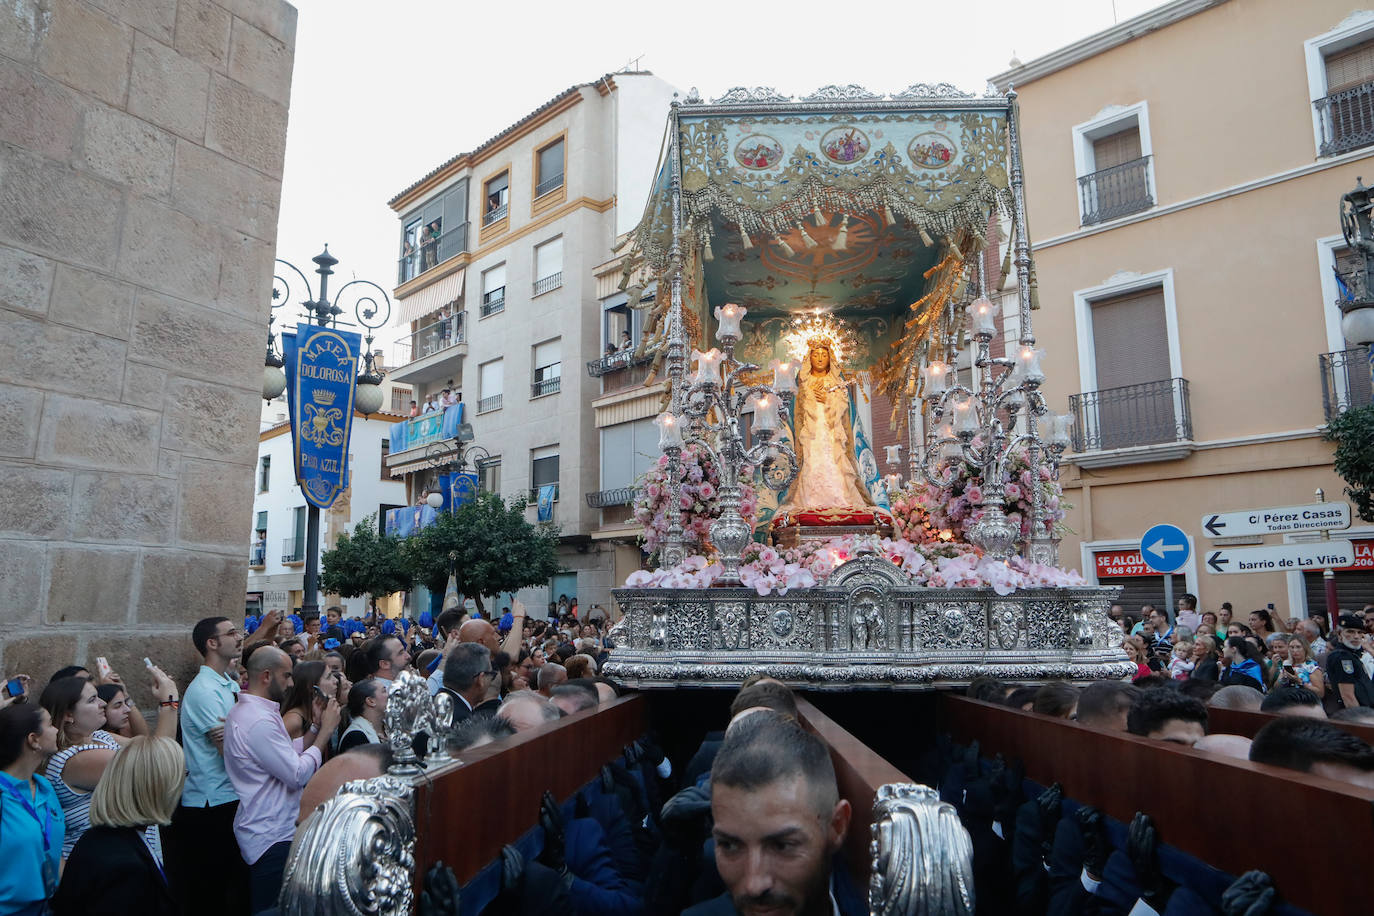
(729,316)
(669,432)
(984,317)
(784,377)
(935,379)
(708,366)
(1028,366)
(965,418)
(765,413)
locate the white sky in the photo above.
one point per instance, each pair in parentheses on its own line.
(383,93)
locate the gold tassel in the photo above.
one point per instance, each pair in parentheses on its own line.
(887,216)
(819,217)
(706,254)
(786,248)
(925,237)
(807,240)
(841,242)
(744,239)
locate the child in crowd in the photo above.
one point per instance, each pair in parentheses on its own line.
(1181,665)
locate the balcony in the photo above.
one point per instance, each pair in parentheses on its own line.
(552,183)
(1347,119)
(1115,191)
(545,284)
(1345,381)
(1132,424)
(619,496)
(431,253)
(432,338)
(293,551)
(534,495)
(546,386)
(487,405)
(493,302)
(494,214)
(257,554)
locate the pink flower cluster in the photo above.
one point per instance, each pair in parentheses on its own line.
(698,500)
(957,506)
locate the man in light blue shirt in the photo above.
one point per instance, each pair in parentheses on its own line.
(203,826)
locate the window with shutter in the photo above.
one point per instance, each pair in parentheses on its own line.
(490,378)
(1134,403)
(543,470)
(548,368)
(550,176)
(1350,67)
(1116,149)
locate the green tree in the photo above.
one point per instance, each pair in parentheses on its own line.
(365,563)
(1353,433)
(489,547)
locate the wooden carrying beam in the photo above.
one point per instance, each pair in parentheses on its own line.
(1244,722)
(1212,808)
(468,810)
(859,771)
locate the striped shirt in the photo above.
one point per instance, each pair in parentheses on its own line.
(76,806)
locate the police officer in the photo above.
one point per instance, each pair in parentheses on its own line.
(1350,665)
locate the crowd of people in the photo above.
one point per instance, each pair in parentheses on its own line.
(107,810)
(1264,653)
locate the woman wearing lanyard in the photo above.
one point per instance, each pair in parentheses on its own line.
(111,871)
(31,822)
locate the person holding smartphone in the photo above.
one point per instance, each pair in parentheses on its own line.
(16,690)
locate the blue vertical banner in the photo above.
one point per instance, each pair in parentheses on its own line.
(462,488)
(321,372)
(546,497)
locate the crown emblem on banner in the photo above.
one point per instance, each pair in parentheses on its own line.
(323,396)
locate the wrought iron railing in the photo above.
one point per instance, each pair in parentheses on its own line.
(544,284)
(1347,119)
(494,301)
(552,183)
(494,214)
(427,253)
(1353,286)
(1152,413)
(488,404)
(613,362)
(257,554)
(432,338)
(618,496)
(293,550)
(546,386)
(1345,381)
(1115,191)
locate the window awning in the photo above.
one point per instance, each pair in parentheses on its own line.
(432,298)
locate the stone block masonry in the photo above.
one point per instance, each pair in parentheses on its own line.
(141,148)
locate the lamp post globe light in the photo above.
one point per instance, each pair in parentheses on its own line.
(1356,292)
(371,308)
(455,455)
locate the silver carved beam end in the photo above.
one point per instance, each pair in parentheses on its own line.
(922,857)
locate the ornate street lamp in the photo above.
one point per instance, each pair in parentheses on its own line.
(371,312)
(1357,293)
(453,455)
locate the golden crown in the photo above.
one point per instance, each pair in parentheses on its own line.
(322,396)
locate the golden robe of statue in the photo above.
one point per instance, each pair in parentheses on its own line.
(828,475)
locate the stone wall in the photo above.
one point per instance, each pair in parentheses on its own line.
(141,146)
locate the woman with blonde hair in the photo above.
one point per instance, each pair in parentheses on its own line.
(112,870)
(1301,669)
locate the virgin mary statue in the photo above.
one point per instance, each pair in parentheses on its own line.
(823,438)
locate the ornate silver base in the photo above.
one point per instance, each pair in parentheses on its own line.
(867,626)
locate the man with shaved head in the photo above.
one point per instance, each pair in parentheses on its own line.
(476,630)
(267,772)
(526,709)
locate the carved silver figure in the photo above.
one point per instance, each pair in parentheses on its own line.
(355,855)
(742,95)
(923,91)
(408,711)
(853,92)
(922,855)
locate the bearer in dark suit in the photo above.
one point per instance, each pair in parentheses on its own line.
(469,677)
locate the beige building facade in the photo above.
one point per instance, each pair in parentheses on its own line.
(1183,174)
(141,150)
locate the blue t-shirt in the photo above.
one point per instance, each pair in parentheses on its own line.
(27,857)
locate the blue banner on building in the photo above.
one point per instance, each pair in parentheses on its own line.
(546,496)
(321,372)
(461,489)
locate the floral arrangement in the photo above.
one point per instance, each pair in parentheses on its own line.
(699,500)
(935,564)
(956,507)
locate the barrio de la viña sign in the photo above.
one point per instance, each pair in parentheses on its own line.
(1283,557)
(1296,557)
(1325,516)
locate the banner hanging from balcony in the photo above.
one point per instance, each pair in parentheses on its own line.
(321,372)
(546,496)
(462,488)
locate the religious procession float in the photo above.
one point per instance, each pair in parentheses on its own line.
(813,259)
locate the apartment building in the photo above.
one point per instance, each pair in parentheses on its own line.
(1183,172)
(497,290)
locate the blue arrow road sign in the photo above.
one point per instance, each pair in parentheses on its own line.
(1164,548)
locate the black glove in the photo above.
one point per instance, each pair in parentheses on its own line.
(653,754)
(582,807)
(633,753)
(1252,894)
(440,894)
(1096,846)
(684,817)
(1007,794)
(551,820)
(1141,840)
(512,868)
(1049,802)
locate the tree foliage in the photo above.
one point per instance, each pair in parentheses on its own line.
(488,545)
(1353,433)
(365,563)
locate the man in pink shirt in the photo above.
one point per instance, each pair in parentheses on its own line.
(268,773)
